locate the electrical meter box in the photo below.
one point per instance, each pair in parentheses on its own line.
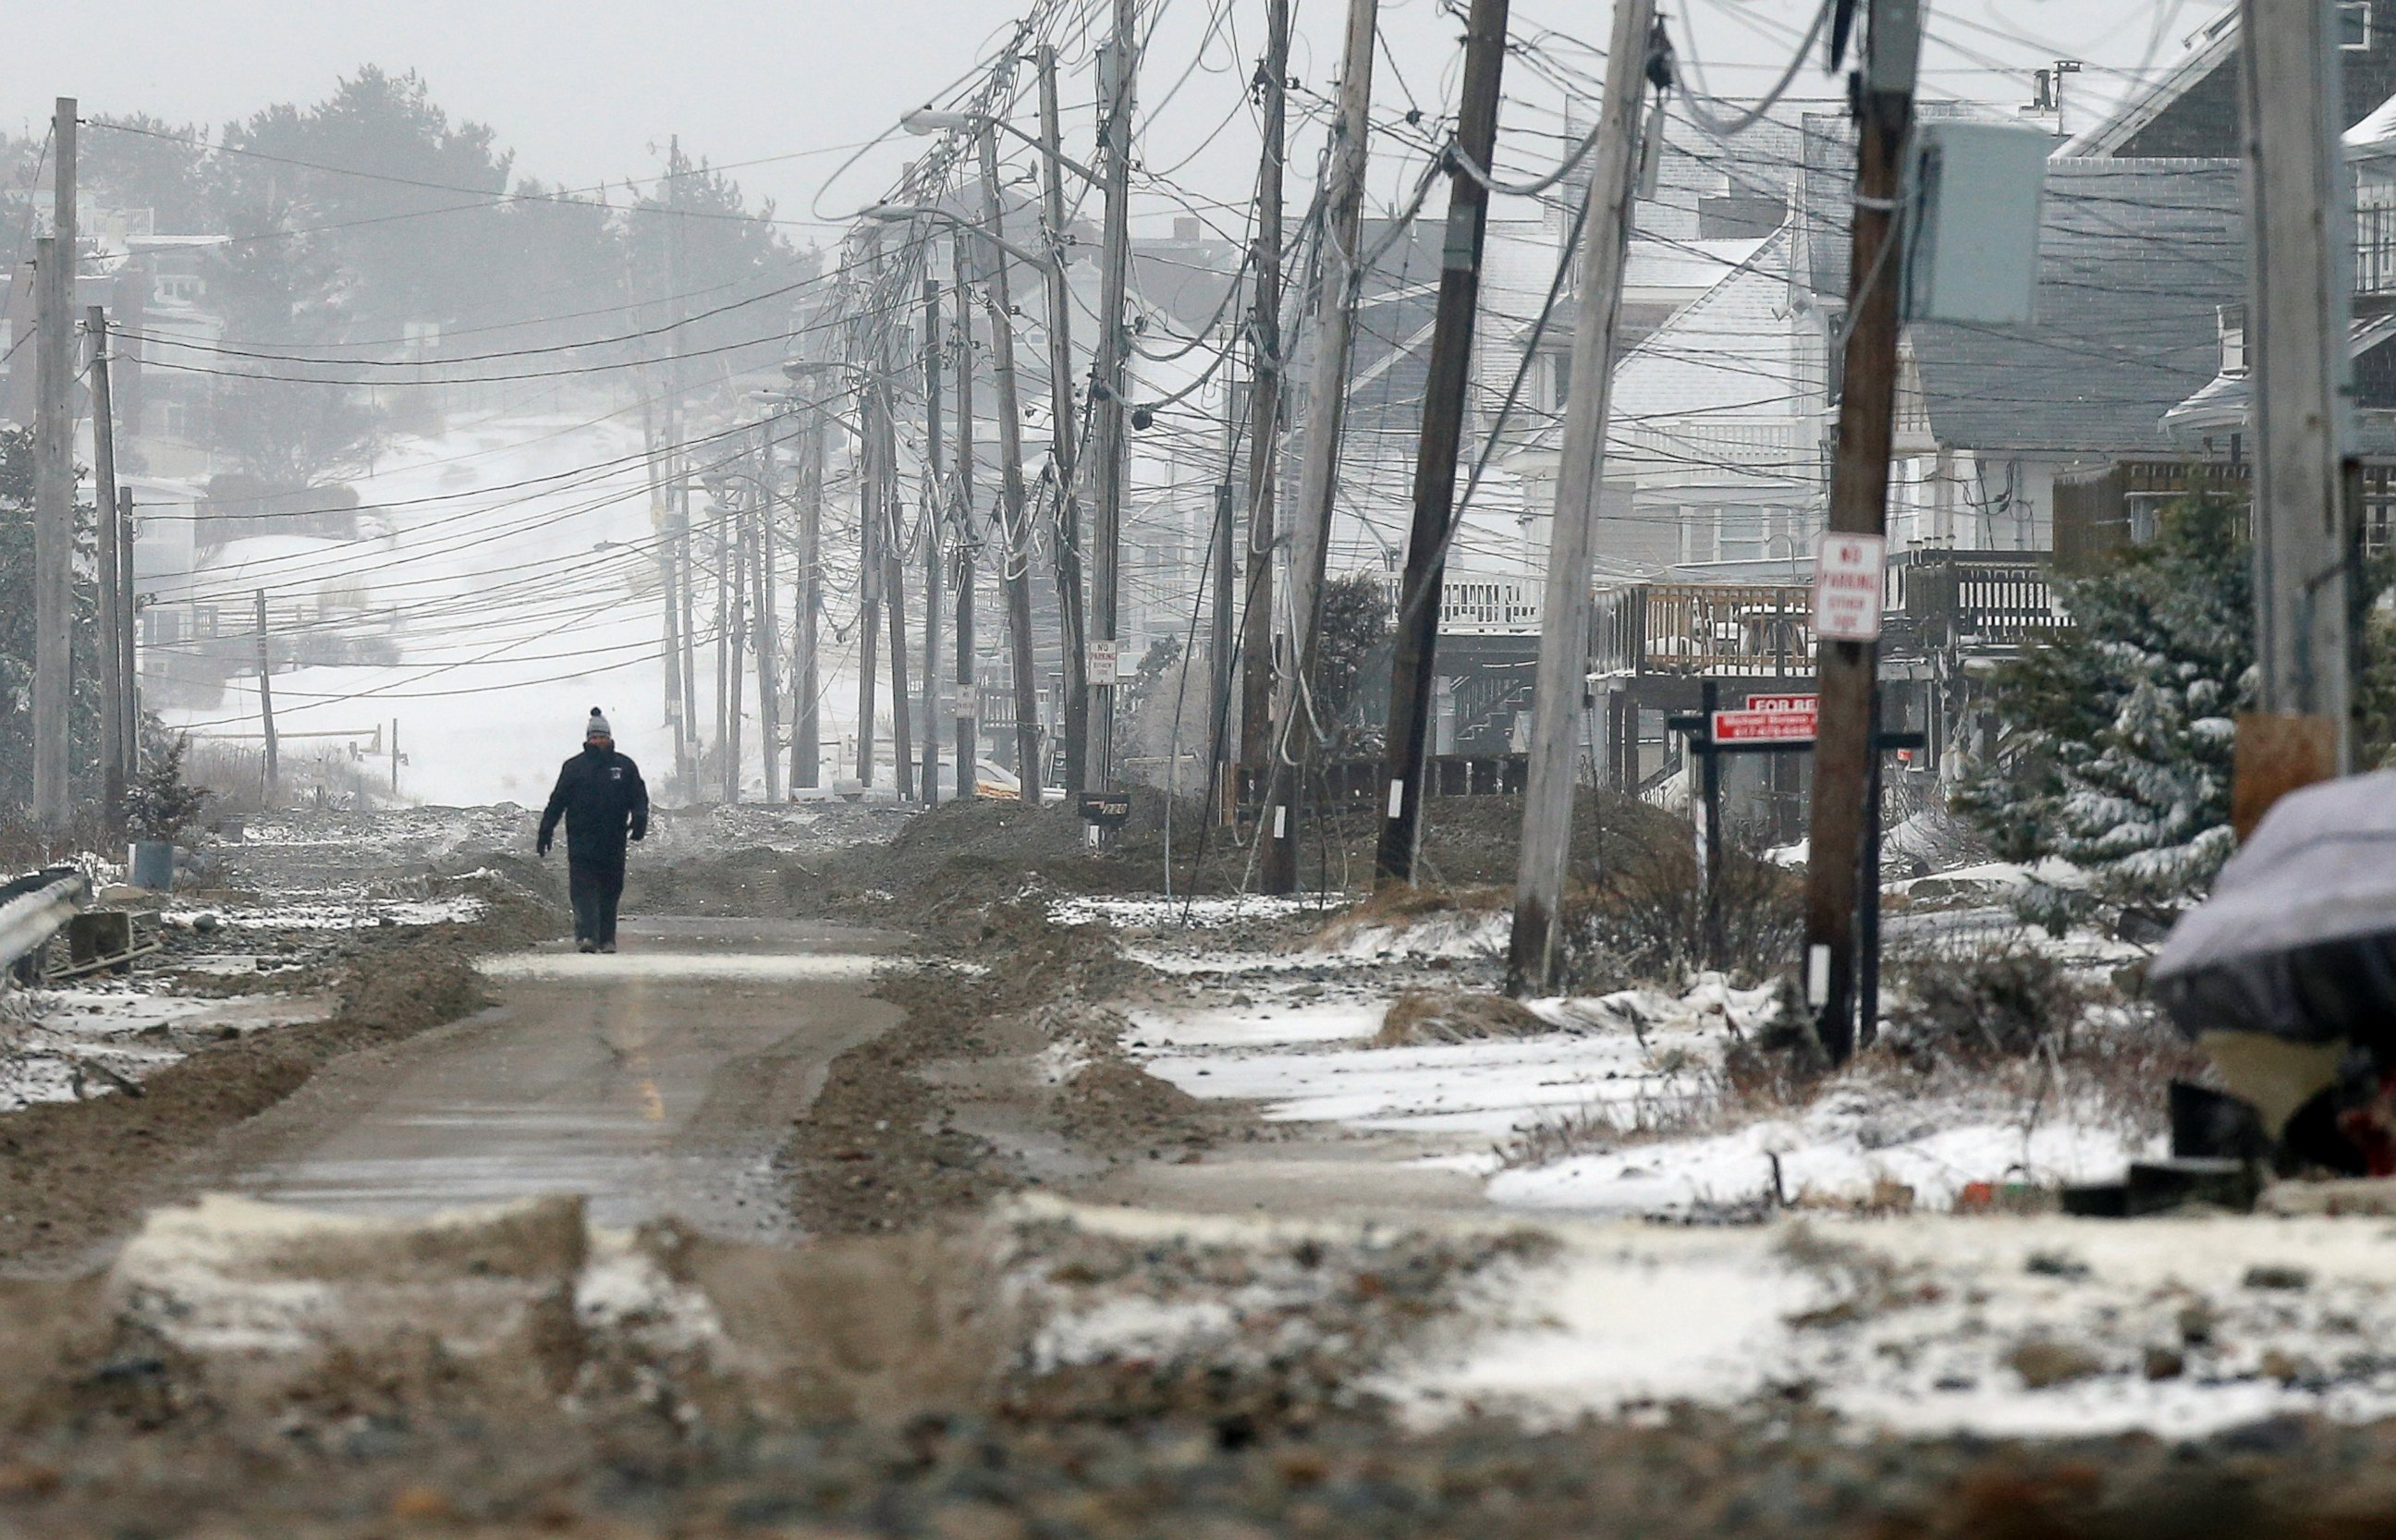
(1972,244)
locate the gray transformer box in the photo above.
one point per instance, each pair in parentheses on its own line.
(1972,243)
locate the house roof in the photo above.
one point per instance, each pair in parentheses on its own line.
(2216,43)
(2135,257)
(2226,403)
(1716,355)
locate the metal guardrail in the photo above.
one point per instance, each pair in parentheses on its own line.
(34,911)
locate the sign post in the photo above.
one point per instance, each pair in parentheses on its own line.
(1776,724)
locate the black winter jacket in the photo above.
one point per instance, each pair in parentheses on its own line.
(600,794)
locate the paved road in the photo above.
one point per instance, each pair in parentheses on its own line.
(657,1081)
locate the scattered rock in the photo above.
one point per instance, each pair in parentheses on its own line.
(2164,1363)
(2044,1363)
(2056,1265)
(2270,1276)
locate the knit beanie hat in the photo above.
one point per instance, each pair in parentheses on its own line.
(597,726)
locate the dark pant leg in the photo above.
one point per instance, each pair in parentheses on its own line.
(584,882)
(611,888)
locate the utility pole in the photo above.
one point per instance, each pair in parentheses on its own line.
(1060,435)
(2301,221)
(1222,654)
(1848,672)
(769,697)
(678,481)
(1562,680)
(1118,69)
(111,585)
(266,703)
(1318,485)
(1411,666)
(933,341)
(1264,408)
(733,554)
(395,758)
(870,503)
(968,689)
(727,655)
(54,266)
(1015,554)
(894,603)
(128,602)
(806,686)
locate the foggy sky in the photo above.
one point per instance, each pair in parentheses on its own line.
(588,92)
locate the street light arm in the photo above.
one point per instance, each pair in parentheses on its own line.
(898,213)
(924,120)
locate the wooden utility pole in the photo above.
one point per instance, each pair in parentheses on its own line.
(128,603)
(968,538)
(1848,672)
(1015,552)
(1446,397)
(935,516)
(870,505)
(769,693)
(806,685)
(266,703)
(1222,655)
(1264,408)
(894,603)
(1060,436)
(54,479)
(2300,222)
(734,555)
(686,584)
(1118,71)
(111,584)
(728,656)
(1561,682)
(1318,483)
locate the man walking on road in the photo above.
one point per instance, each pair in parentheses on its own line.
(599,795)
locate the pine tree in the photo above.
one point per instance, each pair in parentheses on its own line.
(2118,732)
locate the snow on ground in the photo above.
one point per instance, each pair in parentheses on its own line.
(1621,1111)
(2045,1326)
(1918,1325)
(1843,1145)
(1471,1091)
(338,912)
(1174,913)
(1456,934)
(66,1043)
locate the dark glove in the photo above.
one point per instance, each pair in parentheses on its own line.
(640,830)
(540,846)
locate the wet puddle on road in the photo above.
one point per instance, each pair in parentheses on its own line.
(657,1079)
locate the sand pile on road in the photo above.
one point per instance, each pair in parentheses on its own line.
(1420,1016)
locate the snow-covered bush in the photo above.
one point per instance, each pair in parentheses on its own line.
(2001,1001)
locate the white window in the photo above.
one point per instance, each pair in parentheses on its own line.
(1745,531)
(2233,340)
(2354,26)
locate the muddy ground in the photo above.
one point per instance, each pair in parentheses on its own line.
(879,1380)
